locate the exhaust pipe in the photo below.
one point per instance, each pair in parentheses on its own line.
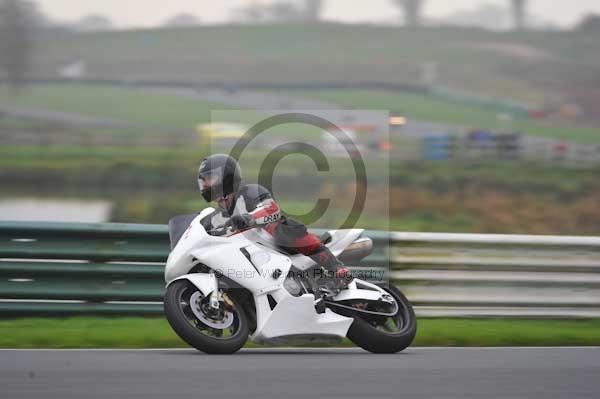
(359,249)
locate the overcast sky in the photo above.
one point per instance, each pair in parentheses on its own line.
(133,13)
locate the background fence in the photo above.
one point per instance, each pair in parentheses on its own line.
(115,269)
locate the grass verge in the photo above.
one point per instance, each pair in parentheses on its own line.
(154,332)
(430,108)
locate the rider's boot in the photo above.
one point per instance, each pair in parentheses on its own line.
(335,271)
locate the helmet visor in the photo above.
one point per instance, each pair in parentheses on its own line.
(210,179)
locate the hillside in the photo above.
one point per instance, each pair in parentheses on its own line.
(522,66)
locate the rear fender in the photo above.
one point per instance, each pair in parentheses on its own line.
(360,289)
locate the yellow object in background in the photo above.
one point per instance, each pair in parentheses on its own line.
(397,120)
(210,132)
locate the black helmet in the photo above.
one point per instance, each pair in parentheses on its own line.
(218,176)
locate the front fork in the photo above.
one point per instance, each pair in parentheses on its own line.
(216,295)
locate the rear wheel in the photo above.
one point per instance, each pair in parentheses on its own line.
(209,330)
(386,334)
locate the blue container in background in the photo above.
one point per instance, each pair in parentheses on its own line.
(438,148)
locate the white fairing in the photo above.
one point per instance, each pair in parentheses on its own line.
(292,316)
(295,317)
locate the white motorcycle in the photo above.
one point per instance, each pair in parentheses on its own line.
(225,287)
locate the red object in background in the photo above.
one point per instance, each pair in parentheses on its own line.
(386,145)
(537,113)
(360,128)
(560,150)
(561,147)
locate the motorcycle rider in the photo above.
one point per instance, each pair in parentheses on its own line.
(252,205)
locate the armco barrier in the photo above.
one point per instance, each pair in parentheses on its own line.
(117,269)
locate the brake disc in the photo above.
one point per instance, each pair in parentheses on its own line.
(219,324)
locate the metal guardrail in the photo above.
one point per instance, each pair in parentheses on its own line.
(498,275)
(117,269)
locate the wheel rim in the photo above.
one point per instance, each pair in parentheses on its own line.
(208,318)
(224,324)
(396,324)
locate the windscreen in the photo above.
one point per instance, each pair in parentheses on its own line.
(178,225)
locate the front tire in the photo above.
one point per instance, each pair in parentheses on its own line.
(366,334)
(194,331)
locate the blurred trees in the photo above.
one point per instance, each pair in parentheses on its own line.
(485,16)
(312,10)
(412,11)
(182,20)
(17,21)
(590,23)
(518,9)
(94,23)
(281,11)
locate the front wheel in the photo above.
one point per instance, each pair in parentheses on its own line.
(221,331)
(386,334)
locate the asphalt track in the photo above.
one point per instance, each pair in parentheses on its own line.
(302,373)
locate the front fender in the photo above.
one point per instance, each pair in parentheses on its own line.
(205,282)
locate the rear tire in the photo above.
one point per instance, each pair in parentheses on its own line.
(180,323)
(365,335)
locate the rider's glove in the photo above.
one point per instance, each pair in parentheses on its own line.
(240,222)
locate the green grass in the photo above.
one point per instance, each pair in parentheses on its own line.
(144,111)
(134,106)
(163,112)
(324,52)
(430,108)
(95,332)
(507,332)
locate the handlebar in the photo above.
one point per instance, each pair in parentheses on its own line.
(224,225)
(226,228)
(222,229)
